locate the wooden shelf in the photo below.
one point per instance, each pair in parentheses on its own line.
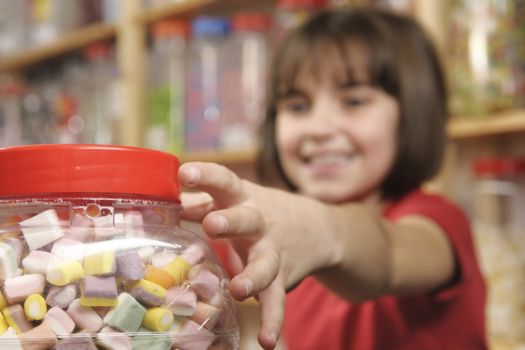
(188,8)
(68,43)
(499,123)
(198,7)
(222,157)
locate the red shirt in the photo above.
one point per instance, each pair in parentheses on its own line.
(451,319)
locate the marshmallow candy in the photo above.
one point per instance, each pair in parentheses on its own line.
(61,296)
(110,338)
(100,264)
(16,318)
(66,272)
(17,289)
(127,315)
(148,293)
(60,321)
(178,268)
(181,301)
(98,291)
(35,307)
(38,260)
(159,276)
(158,319)
(41,337)
(84,316)
(41,229)
(8,265)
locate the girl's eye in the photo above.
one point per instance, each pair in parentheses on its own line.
(355,101)
(294,105)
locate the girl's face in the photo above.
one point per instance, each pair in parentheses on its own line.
(336,143)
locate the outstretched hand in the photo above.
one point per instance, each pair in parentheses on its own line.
(275,233)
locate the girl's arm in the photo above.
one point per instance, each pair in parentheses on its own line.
(283,237)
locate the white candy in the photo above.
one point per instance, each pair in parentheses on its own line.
(110,338)
(8,265)
(18,247)
(146,254)
(163,258)
(134,225)
(41,229)
(68,249)
(37,261)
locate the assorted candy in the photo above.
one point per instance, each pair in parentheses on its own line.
(107,283)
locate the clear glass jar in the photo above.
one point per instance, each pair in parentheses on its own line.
(166,97)
(244,81)
(206,58)
(499,229)
(91,254)
(486,56)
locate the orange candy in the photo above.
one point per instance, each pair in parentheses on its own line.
(159,276)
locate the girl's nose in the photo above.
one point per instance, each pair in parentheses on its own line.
(323,120)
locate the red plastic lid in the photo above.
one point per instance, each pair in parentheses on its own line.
(298,4)
(259,22)
(170,27)
(507,166)
(98,169)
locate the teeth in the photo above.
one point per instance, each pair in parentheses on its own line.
(328,159)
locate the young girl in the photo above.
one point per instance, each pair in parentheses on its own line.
(355,124)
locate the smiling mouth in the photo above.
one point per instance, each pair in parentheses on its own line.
(328,164)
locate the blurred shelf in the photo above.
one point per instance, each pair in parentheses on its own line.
(68,43)
(499,123)
(187,8)
(222,157)
(191,8)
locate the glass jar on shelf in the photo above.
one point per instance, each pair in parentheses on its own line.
(486,56)
(499,199)
(206,58)
(291,13)
(167,78)
(101,107)
(11,92)
(244,81)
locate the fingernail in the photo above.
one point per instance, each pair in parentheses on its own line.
(248,286)
(222,224)
(193,175)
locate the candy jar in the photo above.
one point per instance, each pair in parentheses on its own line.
(92,254)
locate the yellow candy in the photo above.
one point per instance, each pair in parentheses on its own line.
(14,315)
(95,302)
(3,324)
(178,269)
(100,264)
(3,302)
(65,273)
(151,288)
(158,319)
(35,307)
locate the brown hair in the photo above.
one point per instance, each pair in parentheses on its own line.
(400,59)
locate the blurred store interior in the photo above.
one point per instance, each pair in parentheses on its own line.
(189,77)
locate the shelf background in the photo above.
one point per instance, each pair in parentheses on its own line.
(131,32)
(73,41)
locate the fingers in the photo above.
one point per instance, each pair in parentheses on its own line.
(272,314)
(221,183)
(235,222)
(257,275)
(196,205)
